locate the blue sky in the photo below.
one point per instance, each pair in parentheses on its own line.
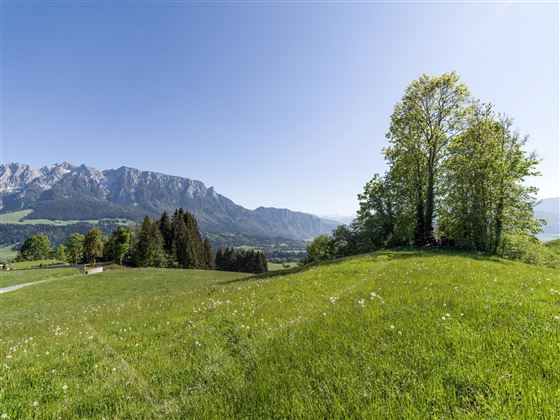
(274,104)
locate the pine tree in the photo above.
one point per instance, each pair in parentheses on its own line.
(219,261)
(209,263)
(149,247)
(184,252)
(166,230)
(195,240)
(263,263)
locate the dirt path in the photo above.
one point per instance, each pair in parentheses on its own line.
(20,286)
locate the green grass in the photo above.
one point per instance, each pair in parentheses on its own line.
(12,277)
(392,335)
(281,266)
(17,217)
(8,252)
(35,263)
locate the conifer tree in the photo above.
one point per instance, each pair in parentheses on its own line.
(166,230)
(184,252)
(194,240)
(149,246)
(209,263)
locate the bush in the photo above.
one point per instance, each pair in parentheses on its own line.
(528,249)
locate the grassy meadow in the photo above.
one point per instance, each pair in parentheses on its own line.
(12,277)
(393,334)
(282,266)
(8,252)
(18,218)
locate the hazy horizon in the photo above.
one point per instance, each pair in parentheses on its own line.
(275,105)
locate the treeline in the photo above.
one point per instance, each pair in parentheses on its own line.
(57,234)
(250,261)
(166,242)
(456,171)
(172,242)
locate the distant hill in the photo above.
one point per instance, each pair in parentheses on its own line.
(549,210)
(66,192)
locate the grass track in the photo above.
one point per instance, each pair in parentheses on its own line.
(443,335)
(12,277)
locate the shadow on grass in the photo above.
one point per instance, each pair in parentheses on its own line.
(398,253)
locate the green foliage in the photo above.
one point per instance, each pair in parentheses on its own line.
(528,249)
(240,260)
(121,243)
(61,253)
(75,247)
(149,245)
(452,162)
(36,247)
(185,253)
(208,256)
(320,249)
(553,245)
(166,230)
(93,245)
(424,121)
(484,190)
(164,343)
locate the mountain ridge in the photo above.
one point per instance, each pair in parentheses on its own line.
(64,191)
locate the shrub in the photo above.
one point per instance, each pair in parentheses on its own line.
(528,249)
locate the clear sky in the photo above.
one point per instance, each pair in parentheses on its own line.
(274,104)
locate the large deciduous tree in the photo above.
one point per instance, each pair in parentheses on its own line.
(121,241)
(36,247)
(429,115)
(93,245)
(484,194)
(75,247)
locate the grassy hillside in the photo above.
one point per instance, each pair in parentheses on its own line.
(8,252)
(18,276)
(398,334)
(19,218)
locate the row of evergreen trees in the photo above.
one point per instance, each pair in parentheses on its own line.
(231,259)
(166,242)
(174,241)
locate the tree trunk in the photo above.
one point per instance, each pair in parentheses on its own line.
(419,230)
(429,218)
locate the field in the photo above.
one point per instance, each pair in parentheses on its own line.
(36,263)
(392,335)
(281,266)
(8,252)
(9,278)
(17,217)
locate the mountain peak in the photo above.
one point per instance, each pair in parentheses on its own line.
(64,191)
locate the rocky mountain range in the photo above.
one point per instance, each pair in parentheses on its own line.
(67,192)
